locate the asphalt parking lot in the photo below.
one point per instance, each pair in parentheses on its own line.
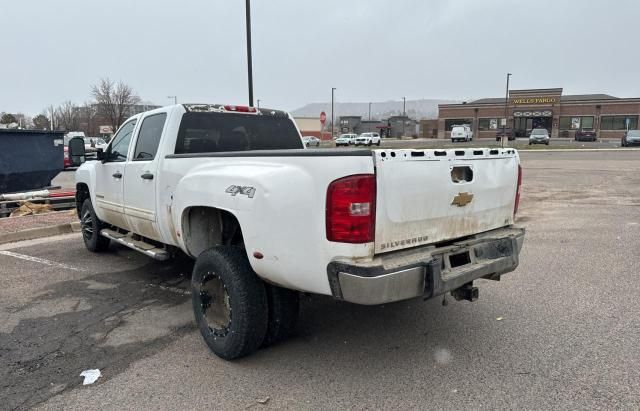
(562,331)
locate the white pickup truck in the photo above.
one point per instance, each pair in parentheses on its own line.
(234,188)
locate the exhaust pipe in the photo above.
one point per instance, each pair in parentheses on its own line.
(466,292)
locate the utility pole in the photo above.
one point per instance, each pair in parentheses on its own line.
(369,111)
(333,89)
(175,99)
(249,62)
(506,102)
(404,115)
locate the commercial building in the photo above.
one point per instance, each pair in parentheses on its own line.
(561,114)
(312,126)
(394,126)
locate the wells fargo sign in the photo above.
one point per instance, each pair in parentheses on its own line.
(535,100)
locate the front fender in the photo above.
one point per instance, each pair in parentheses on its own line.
(86,174)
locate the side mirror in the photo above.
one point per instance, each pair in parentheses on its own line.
(77,151)
(100,154)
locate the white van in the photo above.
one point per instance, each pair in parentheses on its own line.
(461,133)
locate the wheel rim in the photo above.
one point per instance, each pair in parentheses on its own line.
(86,223)
(215,304)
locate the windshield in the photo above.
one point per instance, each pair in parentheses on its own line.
(539,131)
(223,132)
(633,133)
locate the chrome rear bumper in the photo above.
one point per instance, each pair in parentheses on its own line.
(427,271)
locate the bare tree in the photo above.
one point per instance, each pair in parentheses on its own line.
(67,116)
(23,120)
(49,111)
(87,118)
(114,100)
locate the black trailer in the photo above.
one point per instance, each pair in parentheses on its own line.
(29,159)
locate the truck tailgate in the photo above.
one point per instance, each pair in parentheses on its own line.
(430,196)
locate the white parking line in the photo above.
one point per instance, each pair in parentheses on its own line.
(39,260)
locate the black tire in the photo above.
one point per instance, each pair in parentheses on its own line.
(91,227)
(378,143)
(284,306)
(370,143)
(234,324)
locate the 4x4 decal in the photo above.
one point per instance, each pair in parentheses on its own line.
(246,190)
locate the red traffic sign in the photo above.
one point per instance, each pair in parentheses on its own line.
(323,117)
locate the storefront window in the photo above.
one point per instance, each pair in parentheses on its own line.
(618,122)
(448,123)
(565,123)
(488,124)
(576,122)
(587,122)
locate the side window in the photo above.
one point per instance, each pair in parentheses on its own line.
(122,139)
(149,137)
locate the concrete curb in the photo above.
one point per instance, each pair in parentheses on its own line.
(39,232)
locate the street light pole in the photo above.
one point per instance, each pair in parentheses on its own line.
(249,62)
(369,111)
(175,99)
(506,102)
(404,115)
(333,89)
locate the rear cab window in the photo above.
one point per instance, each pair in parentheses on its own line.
(215,132)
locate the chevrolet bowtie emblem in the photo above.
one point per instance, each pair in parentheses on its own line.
(462,199)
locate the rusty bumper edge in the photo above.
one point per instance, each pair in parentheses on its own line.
(430,274)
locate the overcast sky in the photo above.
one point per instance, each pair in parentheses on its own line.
(373,50)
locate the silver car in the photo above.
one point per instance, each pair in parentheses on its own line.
(539,136)
(311,141)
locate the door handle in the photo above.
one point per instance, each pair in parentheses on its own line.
(117,174)
(147,176)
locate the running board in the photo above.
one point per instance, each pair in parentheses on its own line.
(145,248)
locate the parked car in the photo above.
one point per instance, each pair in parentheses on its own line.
(367,139)
(221,183)
(346,140)
(506,131)
(539,136)
(631,138)
(461,133)
(67,159)
(585,135)
(311,141)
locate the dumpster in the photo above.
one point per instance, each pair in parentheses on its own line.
(29,159)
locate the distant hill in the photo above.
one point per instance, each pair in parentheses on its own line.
(416,109)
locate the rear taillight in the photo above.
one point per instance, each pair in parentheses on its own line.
(351,209)
(515,208)
(241,109)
